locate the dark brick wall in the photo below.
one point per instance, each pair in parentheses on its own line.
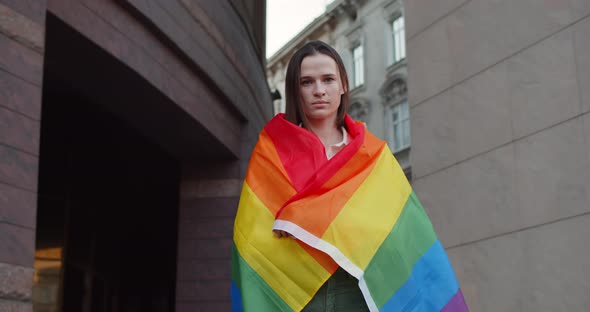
(22,25)
(209,201)
(254,15)
(177,47)
(222,41)
(207,211)
(201,56)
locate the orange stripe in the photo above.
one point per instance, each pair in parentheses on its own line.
(266,175)
(269,181)
(310,213)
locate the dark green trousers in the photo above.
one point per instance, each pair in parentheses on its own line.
(340,293)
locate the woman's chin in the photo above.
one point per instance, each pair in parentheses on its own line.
(320,115)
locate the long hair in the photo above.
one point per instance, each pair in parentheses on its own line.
(294,108)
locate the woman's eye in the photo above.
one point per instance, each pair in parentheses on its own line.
(329,79)
(305,82)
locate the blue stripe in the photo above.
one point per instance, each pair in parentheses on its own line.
(430,286)
(236,298)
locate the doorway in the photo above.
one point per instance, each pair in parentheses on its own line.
(107,213)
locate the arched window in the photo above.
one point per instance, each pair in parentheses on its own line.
(397,120)
(397,113)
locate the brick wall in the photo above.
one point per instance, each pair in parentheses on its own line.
(209,201)
(188,69)
(22,28)
(207,211)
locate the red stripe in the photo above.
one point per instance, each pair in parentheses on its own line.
(304,157)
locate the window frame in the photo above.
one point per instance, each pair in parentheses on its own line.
(358,65)
(398,37)
(404,125)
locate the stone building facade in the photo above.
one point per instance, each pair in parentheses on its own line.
(369,35)
(125,131)
(500,100)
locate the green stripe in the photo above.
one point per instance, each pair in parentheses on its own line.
(409,239)
(257,295)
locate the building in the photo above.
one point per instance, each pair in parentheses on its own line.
(125,131)
(369,35)
(499,100)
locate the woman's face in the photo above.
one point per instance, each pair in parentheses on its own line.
(320,87)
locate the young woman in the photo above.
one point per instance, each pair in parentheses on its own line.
(327,220)
(317,100)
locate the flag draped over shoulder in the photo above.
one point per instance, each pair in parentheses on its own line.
(356,210)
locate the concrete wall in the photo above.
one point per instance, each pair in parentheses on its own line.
(499,95)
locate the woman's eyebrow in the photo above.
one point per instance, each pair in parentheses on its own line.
(322,75)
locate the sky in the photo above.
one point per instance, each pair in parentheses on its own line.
(286,18)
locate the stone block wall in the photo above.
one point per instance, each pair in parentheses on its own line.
(501,147)
(22,30)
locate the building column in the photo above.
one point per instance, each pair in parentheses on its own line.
(22,32)
(209,199)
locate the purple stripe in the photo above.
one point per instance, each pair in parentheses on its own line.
(456,304)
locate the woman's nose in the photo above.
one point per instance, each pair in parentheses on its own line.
(319,89)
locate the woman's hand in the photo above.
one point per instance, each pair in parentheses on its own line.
(281,234)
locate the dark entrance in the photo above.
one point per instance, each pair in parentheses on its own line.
(108,195)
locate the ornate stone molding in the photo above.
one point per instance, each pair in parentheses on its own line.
(348,8)
(392,9)
(359,108)
(394,89)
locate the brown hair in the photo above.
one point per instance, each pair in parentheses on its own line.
(294,110)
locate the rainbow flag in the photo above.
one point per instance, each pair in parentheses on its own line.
(356,210)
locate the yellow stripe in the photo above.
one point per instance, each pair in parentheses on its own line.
(285,266)
(370,214)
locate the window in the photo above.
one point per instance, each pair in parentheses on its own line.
(399,129)
(358,66)
(399,39)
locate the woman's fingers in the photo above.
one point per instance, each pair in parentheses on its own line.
(278,233)
(281,234)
